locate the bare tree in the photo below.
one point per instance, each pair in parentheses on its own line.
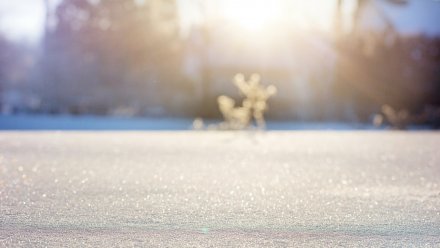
(360,6)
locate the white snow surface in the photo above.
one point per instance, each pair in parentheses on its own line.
(220,189)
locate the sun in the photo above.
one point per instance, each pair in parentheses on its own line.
(251,15)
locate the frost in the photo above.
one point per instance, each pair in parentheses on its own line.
(253,106)
(220,189)
(398,119)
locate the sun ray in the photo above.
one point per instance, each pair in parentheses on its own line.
(252,15)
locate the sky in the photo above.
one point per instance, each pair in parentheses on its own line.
(23,19)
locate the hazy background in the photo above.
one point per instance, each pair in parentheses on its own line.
(331,60)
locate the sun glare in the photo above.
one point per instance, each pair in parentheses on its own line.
(251,15)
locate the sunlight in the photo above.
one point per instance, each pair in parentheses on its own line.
(263,18)
(21,19)
(252,15)
(260,18)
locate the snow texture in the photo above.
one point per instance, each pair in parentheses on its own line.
(220,189)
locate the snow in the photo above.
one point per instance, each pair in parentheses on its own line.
(220,189)
(67,122)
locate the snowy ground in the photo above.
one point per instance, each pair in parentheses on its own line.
(220,189)
(69,122)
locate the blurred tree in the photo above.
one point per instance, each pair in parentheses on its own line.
(367,73)
(358,9)
(15,66)
(102,55)
(379,67)
(207,106)
(4,48)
